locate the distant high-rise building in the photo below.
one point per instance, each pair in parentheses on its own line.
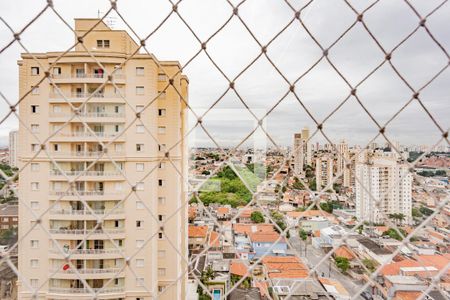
(324,171)
(298,154)
(342,159)
(109,172)
(307,146)
(389,182)
(13,135)
(302,151)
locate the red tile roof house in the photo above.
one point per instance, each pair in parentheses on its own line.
(284,267)
(223,213)
(197,236)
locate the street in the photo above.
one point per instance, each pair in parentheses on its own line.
(313,257)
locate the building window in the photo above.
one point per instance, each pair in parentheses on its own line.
(139,243)
(34,167)
(118,148)
(139,263)
(161,253)
(161,182)
(34,205)
(34,128)
(139,224)
(161,129)
(103,44)
(140,186)
(140,281)
(118,186)
(140,129)
(162,94)
(34,283)
(162,147)
(139,205)
(56,108)
(34,109)
(35,90)
(35,186)
(139,108)
(34,70)
(35,147)
(139,167)
(162,77)
(56,71)
(162,165)
(160,288)
(160,235)
(162,200)
(34,263)
(161,271)
(139,147)
(34,244)
(161,218)
(56,147)
(139,90)
(139,71)
(162,112)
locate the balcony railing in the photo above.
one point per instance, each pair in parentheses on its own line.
(89,115)
(86,291)
(89,251)
(76,193)
(87,231)
(85,212)
(84,173)
(88,153)
(87,75)
(86,95)
(86,271)
(90,134)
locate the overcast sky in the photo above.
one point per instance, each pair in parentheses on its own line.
(293,52)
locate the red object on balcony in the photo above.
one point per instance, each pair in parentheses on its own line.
(66,267)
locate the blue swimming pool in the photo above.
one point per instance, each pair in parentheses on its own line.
(216,295)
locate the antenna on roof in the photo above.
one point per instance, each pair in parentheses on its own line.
(109,20)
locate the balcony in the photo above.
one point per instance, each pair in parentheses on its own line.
(89,155)
(69,214)
(100,291)
(87,175)
(108,253)
(99,97)
(85,195)
(87,271)
(88,136)
(88,117)
(64,233)
(87,78)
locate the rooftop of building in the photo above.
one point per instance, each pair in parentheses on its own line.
(374,247)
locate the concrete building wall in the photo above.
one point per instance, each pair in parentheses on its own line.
(132,154)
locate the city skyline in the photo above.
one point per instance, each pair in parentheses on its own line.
(321,90)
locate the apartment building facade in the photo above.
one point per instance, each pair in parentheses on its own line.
(13,148)
(105,208)
(382,178)
(302,151)
(324,171)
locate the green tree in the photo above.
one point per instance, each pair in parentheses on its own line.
(342,263)
(426,211)
(415,212)
(391,232)
(303,236)
(257,217)
(371,265)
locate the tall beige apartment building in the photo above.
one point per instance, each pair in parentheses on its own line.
(382,178)
(324,171)
(302,151)
(96,190)
(343,157)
